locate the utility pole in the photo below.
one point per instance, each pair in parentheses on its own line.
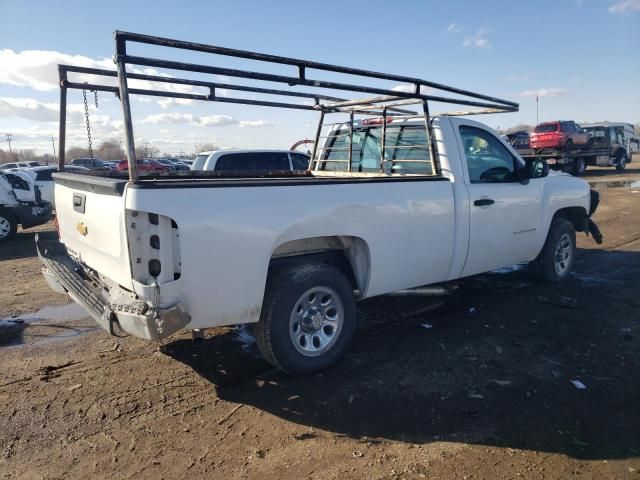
(146,148)
(53,145)
(9,136)
(537,103)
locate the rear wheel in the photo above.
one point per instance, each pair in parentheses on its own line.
(621,161)
(8,225)
(555,261)
(579,166)
(308,318)
(568,146)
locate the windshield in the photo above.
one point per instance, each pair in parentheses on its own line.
(198,163)
(547,127)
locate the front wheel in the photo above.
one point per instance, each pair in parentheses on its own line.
(621,162)
(555,261)
(308,318)
(8,226)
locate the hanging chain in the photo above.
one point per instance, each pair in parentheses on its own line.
(95,95)
(86,116)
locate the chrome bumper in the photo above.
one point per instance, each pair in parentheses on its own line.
(65,275)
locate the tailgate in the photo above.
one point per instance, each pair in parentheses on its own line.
(91,218)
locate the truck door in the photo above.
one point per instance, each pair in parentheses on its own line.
(504,214)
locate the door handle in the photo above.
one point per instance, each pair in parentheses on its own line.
(484,202)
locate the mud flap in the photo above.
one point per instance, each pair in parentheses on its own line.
(592,228)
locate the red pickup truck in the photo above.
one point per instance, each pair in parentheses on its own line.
(560,135)
(144,165)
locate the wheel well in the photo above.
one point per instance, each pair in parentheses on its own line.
(10,214)
(576,215)
(348,254)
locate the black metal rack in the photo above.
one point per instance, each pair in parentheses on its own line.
(387,102)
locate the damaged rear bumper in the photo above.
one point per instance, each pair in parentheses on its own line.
(134,317)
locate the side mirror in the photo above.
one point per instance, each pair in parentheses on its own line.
(537,168)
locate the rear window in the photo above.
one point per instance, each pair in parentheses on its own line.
(406,150)
(547,127)
(253,161)
(45,175)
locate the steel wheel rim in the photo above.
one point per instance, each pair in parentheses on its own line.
(562,256)
(5,227)
(316,321)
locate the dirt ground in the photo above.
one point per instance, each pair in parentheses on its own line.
(474,386)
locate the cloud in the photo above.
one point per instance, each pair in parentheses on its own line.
(544,92)
(410,88)
(38,69)
(28,109)
(453,28)
(479,39)
(167,102)
(625,7)
(169,118)
(216,121)
(256,124)
(206,121)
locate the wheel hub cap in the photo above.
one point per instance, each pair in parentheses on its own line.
(316,321)
(563,254)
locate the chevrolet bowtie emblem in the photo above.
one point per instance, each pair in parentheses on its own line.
(82,228)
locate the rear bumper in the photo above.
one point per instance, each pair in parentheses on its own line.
(546,143)
(32,215)
(134,317)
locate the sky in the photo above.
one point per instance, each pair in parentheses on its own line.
(581,58)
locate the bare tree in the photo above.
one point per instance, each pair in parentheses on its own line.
(8,157)
(76,152)
(110,150)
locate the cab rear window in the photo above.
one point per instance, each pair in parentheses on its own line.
(406,150)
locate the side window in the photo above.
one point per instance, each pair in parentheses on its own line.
(488,160)
(299,161)
(272,161)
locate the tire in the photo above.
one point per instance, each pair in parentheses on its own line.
(556,259)
(621,161)
(308,318)
(579,166)
(8,225)
(568,146)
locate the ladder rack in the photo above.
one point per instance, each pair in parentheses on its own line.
(385,102)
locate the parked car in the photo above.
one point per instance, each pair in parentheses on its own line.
(144,165)
(42,177)
(519,141)
(560,135)
(14,165)
(172,164)
(255,160)
(20,204)
(92,164)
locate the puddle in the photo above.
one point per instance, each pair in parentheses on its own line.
(630,184)
(71,311)
(45,326)
(510,268)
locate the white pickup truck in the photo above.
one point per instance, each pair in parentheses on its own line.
(293,252)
